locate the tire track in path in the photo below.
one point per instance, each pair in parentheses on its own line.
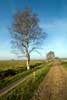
(54,85)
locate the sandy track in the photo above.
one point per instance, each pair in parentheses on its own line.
(54,86)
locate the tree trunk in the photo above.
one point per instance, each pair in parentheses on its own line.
(28,57)
(28,62)
(28,66)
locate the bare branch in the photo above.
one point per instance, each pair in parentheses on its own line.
(26,32)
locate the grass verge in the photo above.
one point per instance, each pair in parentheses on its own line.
(9,80)
(27,89)
(64,64)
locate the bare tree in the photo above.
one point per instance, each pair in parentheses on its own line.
(26,33)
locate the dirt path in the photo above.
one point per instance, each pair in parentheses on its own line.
(54,86)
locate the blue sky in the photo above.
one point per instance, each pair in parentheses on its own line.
(53,20)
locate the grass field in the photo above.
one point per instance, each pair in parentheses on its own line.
(19,67)
(26,90)
(16,64)
(39,69)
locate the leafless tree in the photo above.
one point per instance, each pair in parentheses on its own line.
(26,33)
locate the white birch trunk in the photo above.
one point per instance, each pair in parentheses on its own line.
(28,66)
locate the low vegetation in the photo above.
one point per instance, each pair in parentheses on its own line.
(26,90)
(12,74)
(64,63)
(16,64)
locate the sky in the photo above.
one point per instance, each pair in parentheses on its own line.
(53,20)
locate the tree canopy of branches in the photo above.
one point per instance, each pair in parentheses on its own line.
(26,32)
(50,55)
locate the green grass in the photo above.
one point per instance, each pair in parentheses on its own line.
(16,64)
(4,65)
(9,80)
(64,64)
(26,90)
